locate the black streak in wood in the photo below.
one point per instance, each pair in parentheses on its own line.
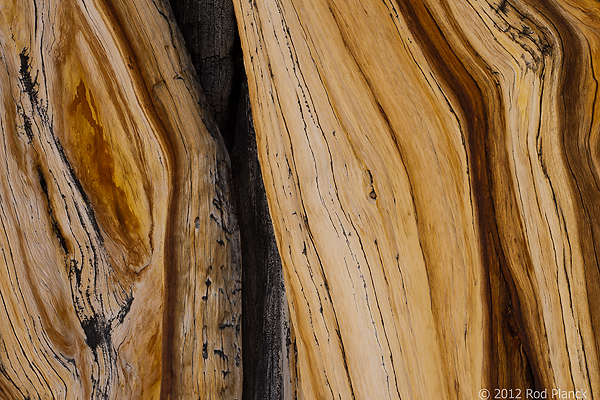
(263,296)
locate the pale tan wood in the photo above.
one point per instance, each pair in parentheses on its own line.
(120,257)
(431,169)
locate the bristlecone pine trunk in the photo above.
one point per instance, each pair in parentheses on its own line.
(120,255)
(423,175)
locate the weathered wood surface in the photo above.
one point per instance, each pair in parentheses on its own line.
(209,30)
(119,275)
(432,173)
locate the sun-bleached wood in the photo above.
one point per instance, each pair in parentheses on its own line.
(432,175)
(119,268)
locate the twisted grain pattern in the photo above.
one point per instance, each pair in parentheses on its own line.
(433,176)
(119,250)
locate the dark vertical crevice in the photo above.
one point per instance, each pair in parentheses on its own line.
(239,89)
(210,31)
(262,276)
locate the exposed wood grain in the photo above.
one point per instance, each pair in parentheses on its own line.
(432,172)
(120,249)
